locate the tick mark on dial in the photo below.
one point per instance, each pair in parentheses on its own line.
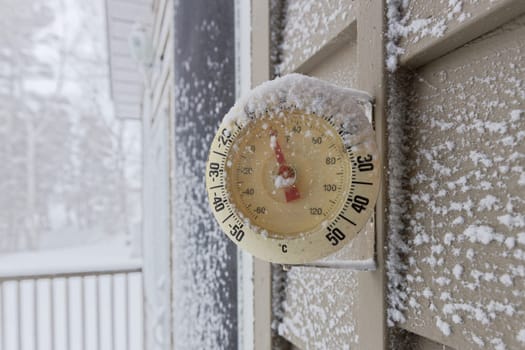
(229,216)
(347,219)
(362,182)
(220,154)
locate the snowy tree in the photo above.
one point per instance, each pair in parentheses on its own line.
(26,116)
(62,153)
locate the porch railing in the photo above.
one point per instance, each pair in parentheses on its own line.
(72,310)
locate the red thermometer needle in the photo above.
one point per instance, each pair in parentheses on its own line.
(291,192)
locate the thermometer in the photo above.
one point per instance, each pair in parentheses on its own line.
(293,171)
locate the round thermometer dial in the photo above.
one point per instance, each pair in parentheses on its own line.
(286,184)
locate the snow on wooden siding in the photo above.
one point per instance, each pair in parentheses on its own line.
(431,28)
(311,26)
(460,138)
(456,270)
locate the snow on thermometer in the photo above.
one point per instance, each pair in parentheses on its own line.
(293,172)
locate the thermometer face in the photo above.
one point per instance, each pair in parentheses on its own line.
(291,186)
(290,175)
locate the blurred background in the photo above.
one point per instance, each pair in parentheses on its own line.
(71,163)
(70,174)
(104,222)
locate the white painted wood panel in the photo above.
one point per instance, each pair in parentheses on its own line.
(156,236)
(158,163)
